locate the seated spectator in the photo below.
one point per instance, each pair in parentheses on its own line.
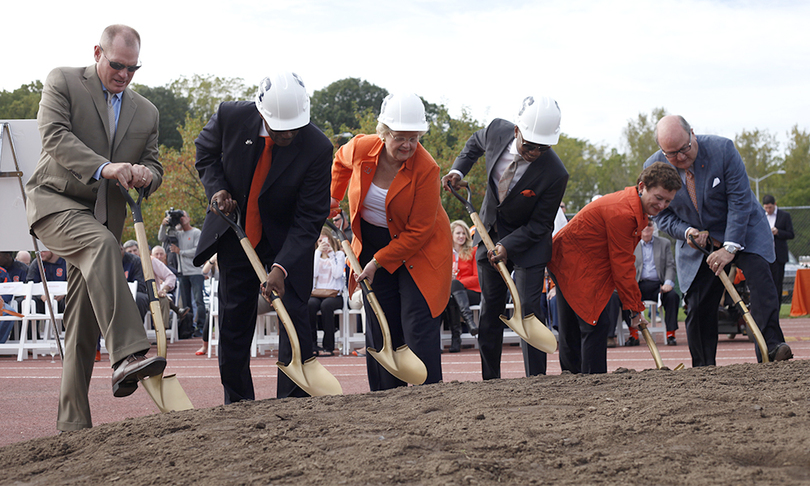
(5,326)
(165,281)
(159,253)
(55,271)
(655,273)
(24,257)
(131,246)
(327,288)
(17,271)
(464,289)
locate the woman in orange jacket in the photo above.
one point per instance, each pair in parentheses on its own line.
(401,232)
(593,255)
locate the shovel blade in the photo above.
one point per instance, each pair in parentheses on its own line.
(167,393)
(531,330)
(402,363)
(312,377)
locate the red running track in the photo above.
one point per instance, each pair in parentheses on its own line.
(29,389)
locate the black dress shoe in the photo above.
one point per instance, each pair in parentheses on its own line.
(671,341)
(781,352)
(132,368)
(631,341)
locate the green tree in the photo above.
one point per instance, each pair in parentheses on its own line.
(639,137)
(22,103)
(582,169)
(336,106)
(758,150)
(173,109)
(205,93)
(797,165)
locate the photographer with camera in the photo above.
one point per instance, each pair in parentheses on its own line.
(181,238)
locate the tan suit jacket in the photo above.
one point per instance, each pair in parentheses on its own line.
(75,132)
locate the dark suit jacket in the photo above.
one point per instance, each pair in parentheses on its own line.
(75,132)
(525,219)
(662,256)
(785,226)
(294,201)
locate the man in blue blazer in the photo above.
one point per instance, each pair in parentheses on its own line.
(519,218)
(716,205)
(266,160)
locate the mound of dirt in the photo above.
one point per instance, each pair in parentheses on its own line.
(738,424)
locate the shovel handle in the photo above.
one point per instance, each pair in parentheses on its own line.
(258,267)
(735,297)
(146,264)
(659,363)
(364,284)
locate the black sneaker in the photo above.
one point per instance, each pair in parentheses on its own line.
(631,341)
(671,341)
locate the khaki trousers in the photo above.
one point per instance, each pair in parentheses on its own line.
(98,300)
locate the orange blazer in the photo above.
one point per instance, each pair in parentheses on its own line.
(419,226)
(593,254)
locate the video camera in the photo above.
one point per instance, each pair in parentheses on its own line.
(174,216)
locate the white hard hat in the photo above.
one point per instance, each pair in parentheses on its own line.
(539,120)
(403,113)
(283,101)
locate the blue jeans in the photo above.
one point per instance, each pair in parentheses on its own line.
(193,284)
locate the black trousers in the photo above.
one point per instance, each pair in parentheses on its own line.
(238,301)
(703,301)
(778,274)
(406,311)
(583,346)
(669,301)
(529,282)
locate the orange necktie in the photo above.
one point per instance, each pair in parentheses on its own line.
(253,220)
(690,188)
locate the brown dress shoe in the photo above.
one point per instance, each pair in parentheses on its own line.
(132,368)
(781,352)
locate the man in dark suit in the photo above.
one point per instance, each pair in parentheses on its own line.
(265,159)
(655,273)
(96,134)
(716,205)
(782,228)
(525,184)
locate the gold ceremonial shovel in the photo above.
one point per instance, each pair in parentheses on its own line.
(735,297)
(310,375)
(659,363)
(529,328)
(165,391)
(401,362)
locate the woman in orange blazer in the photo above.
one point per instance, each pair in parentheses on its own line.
(401,232)
(593,255)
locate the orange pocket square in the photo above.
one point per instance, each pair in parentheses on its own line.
(527,193)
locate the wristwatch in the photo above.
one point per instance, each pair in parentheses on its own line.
(731,249)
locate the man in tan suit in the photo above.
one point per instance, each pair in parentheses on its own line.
(75,207)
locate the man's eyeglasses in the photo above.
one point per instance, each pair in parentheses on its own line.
(684,150)
(533,147)
(117,66)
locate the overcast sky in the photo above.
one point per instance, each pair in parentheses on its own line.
(726,66)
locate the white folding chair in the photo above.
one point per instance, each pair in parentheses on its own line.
(213,318)
(15,344)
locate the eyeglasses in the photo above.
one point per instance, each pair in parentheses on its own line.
(533,147)
(412,140)
(684,150)
(117,66)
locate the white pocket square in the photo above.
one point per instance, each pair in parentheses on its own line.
(715,182)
